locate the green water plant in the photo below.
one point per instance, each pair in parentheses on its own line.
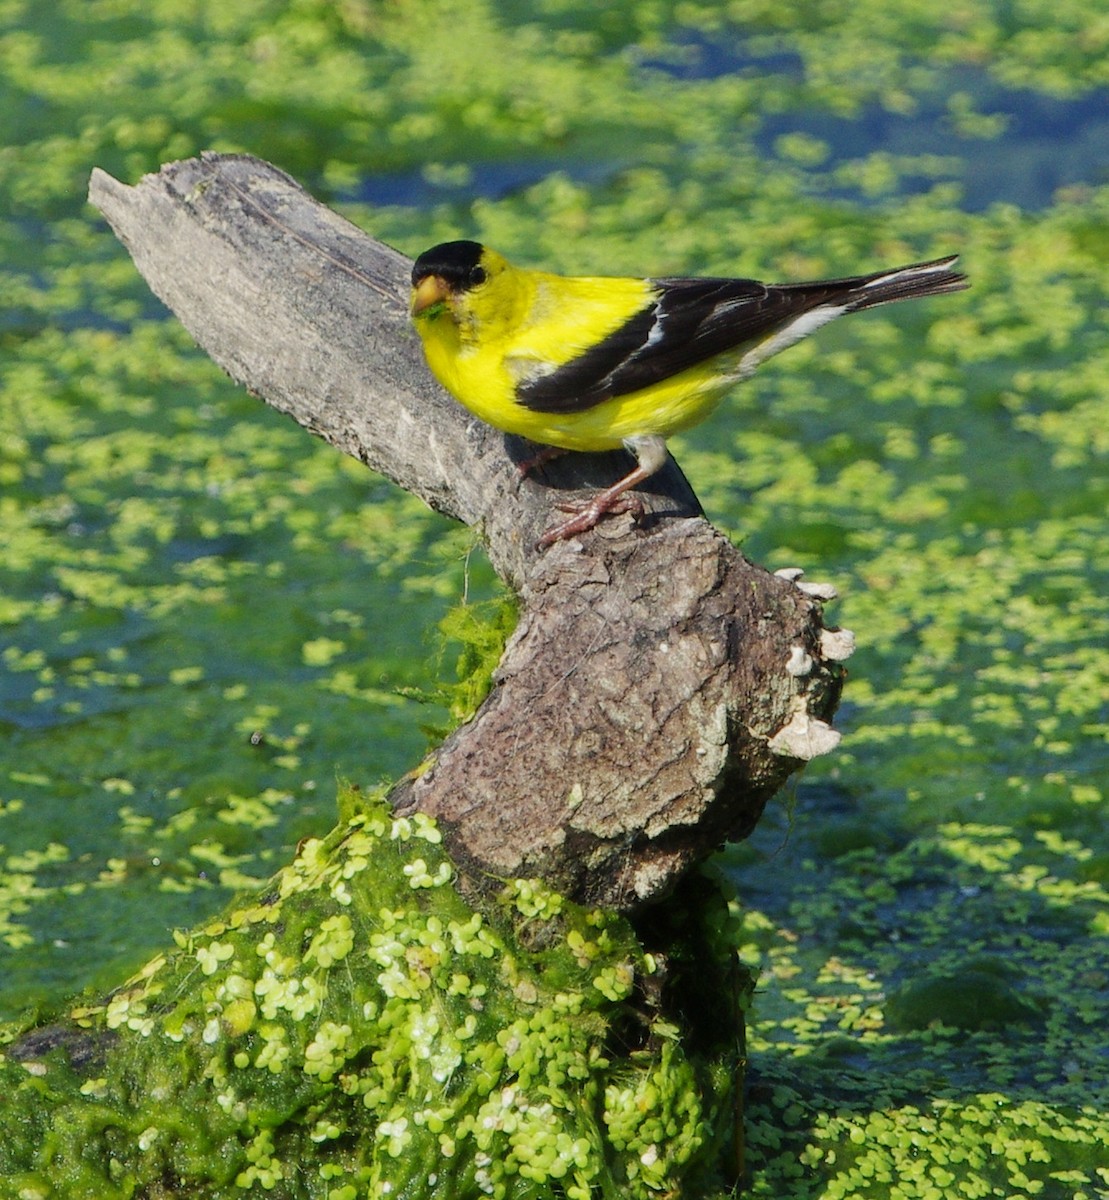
(358,1028)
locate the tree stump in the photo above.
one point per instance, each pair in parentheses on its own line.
(659,688)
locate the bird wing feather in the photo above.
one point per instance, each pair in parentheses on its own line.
(693,320)
(690,321)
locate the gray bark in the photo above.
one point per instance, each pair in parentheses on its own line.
(659,688)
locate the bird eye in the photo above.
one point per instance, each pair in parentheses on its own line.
(477,276)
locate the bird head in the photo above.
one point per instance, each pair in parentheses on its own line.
(449,273)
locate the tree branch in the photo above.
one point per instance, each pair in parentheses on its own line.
(659,688)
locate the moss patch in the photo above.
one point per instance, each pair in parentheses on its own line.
(358,1029)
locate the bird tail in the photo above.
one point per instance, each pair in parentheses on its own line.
(811,305)
(933,278)
(857,292)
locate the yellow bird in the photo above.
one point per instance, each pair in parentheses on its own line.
(595,363)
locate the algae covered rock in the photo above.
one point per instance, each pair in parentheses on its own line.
(361,1030)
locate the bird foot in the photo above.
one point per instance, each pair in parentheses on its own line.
(526,466)
(586,516)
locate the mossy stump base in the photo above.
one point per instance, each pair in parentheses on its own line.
(359,1030)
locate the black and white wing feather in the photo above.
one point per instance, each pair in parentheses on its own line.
(694,320)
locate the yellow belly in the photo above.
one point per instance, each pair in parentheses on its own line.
(488,391)
(664,409)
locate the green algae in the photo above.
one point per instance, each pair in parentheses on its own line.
(981,994)
(357,1028)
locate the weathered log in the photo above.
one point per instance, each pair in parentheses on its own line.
(659,687)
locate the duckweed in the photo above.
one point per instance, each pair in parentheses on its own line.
(932,1037)
(359,1031)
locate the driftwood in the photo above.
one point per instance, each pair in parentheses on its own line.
(659,687)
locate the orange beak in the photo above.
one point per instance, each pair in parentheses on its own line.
(432,289)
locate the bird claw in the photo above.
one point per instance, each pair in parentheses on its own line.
(537,461)
(586,516)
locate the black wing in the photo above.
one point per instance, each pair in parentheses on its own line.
(691,321)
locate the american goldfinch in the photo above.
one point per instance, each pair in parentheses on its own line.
(596,363)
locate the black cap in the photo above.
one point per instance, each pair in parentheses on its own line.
(459,263)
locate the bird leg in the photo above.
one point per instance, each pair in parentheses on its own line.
(651,454)
(542,456)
